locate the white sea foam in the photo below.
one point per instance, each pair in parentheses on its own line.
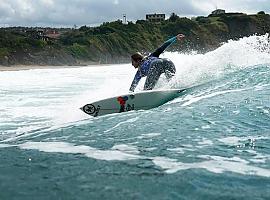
(206,127)
(215,164)
(5,145)
(233,55)
(234,140)
(200,97)
(148,135)
(205,142)
(63,147)
(181,150)
(126,148)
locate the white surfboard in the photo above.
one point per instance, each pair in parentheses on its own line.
(134,101)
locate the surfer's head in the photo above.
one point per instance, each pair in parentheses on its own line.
(136,58)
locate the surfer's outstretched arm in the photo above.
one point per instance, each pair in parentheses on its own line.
(135,81)
(166,44)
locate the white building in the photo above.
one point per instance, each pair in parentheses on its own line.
(155,17)
(218,12)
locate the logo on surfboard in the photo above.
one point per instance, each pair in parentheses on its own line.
(122,101)
(91,109)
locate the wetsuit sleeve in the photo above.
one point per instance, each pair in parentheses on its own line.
(135,81)
(161,49)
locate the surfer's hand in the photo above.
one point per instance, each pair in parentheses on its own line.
(180,36)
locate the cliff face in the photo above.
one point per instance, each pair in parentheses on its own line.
(114,42)
(245,25)
(46,57)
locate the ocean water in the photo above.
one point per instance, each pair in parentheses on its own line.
(212,142)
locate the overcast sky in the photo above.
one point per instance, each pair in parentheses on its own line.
(67,13)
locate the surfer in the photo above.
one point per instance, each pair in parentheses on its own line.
(152,66)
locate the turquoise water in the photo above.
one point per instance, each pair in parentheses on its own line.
(210,143)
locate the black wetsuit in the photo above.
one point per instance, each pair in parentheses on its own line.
(153,66)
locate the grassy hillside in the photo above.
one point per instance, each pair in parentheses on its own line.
(113,42)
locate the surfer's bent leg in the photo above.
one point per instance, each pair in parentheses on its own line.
(154,73)
(169,68)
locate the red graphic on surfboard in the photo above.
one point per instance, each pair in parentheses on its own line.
(122,101)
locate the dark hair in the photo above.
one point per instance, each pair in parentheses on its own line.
(137,57)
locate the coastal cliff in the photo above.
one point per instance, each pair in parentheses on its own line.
(113,42)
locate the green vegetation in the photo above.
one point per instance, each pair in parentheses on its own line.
(3,52)
(78,51)
(113,42)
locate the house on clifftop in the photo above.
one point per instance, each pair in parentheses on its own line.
(218,12)
(155,17)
